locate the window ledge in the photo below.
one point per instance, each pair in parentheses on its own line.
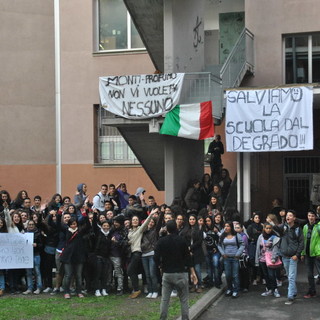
(113,165)
(119,52)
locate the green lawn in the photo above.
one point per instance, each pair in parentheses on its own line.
(111,307)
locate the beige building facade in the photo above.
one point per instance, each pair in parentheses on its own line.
(98,38)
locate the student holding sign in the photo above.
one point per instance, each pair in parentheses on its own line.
(3,229)
(37,246)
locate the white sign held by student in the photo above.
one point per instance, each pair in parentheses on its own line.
(16,250)
(277,119)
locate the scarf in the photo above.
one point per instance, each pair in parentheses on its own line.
(72,230)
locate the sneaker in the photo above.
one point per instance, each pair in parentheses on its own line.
(154,295)
(289,302)
(119,292)
(192,289)
(67,296)
(47,290)
(104,292)
(27,292)
(235,295)
(254,283)
(55,291)
(263,281)
(37,291)
(267,293)
(276,293)
(228,293)
(135,294)
(174,294)
(279,283)
(199,290)
(309,295)
(97,293)
(149,295)
(80,295)
(245,290)
(61,289)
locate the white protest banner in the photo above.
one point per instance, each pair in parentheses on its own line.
(140,96)
(16,250)
(278,119)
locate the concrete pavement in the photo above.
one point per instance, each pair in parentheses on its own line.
(253,306)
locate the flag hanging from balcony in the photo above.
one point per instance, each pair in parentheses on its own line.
(191,121)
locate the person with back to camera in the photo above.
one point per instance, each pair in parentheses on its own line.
(173,258)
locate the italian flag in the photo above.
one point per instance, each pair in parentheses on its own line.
(191,121)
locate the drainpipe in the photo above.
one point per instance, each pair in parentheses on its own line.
(57,92)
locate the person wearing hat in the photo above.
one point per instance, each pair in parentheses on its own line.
(81,196)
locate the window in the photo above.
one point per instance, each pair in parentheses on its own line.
(302,58)
(112,149)
(116,31)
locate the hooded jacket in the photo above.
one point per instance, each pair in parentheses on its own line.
(272,244)
(314,241)
(292,241)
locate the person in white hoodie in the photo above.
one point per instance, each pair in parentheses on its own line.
(100,198)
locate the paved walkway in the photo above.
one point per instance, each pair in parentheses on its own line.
(252,306)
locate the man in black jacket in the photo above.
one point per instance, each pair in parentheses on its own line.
(172,256)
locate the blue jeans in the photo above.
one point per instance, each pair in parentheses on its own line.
(150,270)
(231,270)
(2,281)
(291,267)
(37,274)
(197,269)
(214,268)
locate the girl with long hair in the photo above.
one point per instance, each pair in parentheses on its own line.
(231,247)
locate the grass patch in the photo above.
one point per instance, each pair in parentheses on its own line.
(104,308)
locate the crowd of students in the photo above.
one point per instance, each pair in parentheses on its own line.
(97,245)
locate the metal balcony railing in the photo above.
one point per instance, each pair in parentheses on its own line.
(239,61)
(201,87)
